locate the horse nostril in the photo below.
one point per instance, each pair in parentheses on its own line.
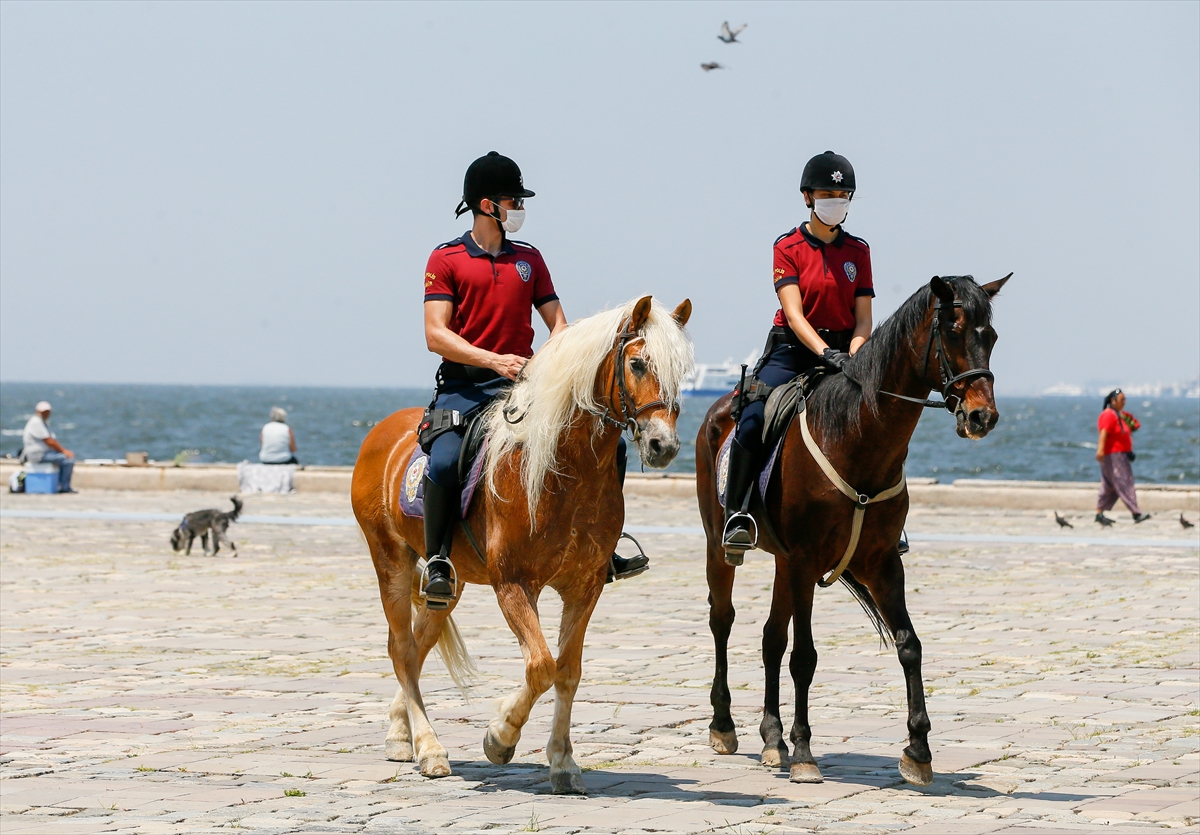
(981,418)
(655,447)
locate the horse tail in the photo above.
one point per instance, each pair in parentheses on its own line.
(863,595)
(453,651)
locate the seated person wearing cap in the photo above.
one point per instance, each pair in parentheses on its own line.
(39,446)
(479,292)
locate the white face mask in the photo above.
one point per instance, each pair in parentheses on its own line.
(514,220)
(831,210)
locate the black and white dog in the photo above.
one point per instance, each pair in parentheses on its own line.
(201,523)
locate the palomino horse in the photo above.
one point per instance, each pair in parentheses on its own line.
(550,515)
(941,339)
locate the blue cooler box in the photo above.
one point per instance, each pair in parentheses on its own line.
(41,478)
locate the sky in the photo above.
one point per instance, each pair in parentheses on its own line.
(248,192)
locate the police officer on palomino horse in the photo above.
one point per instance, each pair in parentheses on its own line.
(479,291)
(823,279)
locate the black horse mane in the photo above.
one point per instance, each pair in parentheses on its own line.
(837,403)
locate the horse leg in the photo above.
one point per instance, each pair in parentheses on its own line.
(722,733)
(887,590)
(565,776)
(398,744)
(520,610)
(395,586)
(803,666)
(774,645)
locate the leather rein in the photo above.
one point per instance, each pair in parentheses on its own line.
(948,377)
(626,419)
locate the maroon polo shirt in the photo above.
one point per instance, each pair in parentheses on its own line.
(493,297)
(830,276)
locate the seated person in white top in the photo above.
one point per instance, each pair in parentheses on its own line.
(39,446)
(278,444)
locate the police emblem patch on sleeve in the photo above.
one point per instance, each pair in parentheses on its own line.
(524,270)
(851,270)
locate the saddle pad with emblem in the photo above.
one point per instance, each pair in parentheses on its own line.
(412,487)
(764,477)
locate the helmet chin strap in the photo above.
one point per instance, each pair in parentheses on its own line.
(496,217)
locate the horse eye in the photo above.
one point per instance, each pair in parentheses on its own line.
(638,366)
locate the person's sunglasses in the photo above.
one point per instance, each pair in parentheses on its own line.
(517,202)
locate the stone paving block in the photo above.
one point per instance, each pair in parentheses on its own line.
(251,668)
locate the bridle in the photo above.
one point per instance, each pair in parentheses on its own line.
(948,377)
(627,418)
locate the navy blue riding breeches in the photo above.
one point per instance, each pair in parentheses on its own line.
(783,363)
(469,398)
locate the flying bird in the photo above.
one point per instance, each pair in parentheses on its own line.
(1104,521)
(1062,523)
(730,35)
(711,65)
(1184,523)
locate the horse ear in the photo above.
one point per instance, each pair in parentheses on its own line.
(641,312)
(683,312)
(942,290)
(993,287)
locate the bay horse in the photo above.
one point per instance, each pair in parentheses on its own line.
(939,339)
(549,513)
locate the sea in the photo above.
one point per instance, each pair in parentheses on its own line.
(1038,438)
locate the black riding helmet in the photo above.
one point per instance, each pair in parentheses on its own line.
(829,171)
(491,176)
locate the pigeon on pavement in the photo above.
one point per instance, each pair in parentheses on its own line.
(1184,523)
(711,65)
(1062,523)
(730,35)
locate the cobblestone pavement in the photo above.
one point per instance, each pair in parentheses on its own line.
(148,692)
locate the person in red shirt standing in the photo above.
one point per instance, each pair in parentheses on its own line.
(1114,451)
(480,289)
(822,276)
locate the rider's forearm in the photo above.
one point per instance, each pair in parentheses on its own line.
(807,334)
(453,347)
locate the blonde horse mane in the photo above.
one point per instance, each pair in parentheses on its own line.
(560,381)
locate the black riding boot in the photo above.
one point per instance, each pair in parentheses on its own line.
(441,512)
(619,567)
(741,531)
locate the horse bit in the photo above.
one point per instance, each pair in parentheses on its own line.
(948,377)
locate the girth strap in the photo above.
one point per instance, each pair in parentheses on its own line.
(860,501)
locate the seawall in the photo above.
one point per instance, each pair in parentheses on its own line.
(1014,495)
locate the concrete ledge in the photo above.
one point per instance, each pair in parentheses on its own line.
(1010,495)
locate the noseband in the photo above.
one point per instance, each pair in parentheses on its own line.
(948,377)
(627,418)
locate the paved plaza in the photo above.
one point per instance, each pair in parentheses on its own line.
(149,692)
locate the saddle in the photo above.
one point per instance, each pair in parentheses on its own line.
(470,469)
(784,402)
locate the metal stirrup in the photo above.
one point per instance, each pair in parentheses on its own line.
(424,564)
(739,515)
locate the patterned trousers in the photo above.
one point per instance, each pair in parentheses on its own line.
(1116,479)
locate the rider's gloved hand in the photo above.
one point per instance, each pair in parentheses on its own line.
(834,359)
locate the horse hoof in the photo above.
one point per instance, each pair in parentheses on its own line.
(398,751)
(435,767)
(495,752)
(919,774)
(723,742)
(774,757)
(567,782)
(805,773)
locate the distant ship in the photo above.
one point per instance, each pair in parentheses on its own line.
(716,380)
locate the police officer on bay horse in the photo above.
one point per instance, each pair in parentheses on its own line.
(823,278)
(479,291)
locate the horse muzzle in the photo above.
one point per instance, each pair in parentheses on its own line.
(658,443)
(975,423)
